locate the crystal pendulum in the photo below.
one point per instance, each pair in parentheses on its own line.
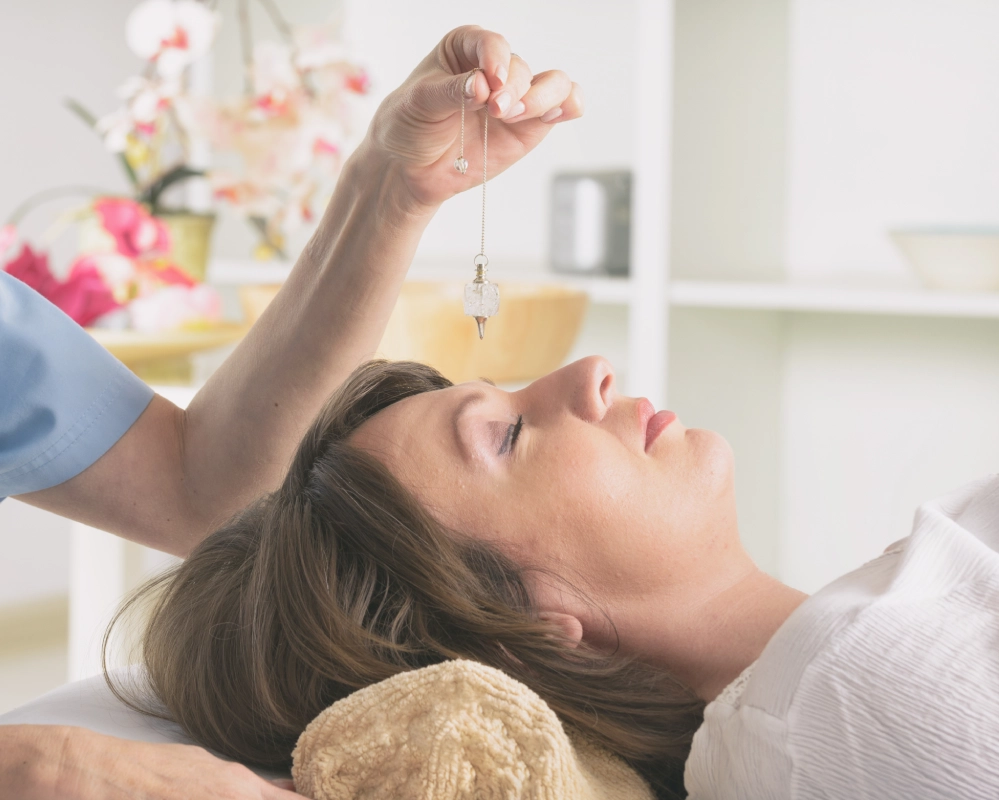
(481,296)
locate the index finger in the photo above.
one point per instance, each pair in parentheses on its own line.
(471,46)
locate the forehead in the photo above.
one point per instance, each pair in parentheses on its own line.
(417,426)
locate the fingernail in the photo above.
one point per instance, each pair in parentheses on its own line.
(551,115)
(501,73)
(503,102)
(517,109)
(470,85)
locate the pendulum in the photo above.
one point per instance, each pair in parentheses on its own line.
(481,296)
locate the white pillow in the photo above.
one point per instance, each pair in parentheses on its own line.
(91,704)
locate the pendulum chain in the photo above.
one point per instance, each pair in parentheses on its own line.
(481,299)
(485,150)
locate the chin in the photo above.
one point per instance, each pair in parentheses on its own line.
(716,460)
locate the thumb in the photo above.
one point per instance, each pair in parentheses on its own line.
(440,97)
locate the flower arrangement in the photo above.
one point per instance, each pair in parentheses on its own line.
(129,281)
(284,134)
(281,142)
(288,129)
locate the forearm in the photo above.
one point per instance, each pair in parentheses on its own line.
(29,756)
(241,429)
(49,762)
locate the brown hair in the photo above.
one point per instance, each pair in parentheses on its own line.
(340,579)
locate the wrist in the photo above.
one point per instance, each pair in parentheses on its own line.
(373,222)
(373,170)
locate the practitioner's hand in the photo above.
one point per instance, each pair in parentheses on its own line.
(417,125)
(40,762)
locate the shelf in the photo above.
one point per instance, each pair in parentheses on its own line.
(833,299)
(747,295)
(603,290)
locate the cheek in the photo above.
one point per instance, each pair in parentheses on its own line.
(569,510)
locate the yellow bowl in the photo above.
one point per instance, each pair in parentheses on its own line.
(531,335)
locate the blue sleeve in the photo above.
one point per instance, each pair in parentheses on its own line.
(64,399)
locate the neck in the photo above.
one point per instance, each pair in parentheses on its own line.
(708,641)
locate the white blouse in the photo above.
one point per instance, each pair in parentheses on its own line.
(883,685)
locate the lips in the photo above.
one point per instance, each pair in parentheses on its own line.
(652,422)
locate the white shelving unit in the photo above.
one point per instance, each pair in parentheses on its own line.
(832,299)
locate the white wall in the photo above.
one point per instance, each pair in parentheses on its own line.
(34,554)
(893,119)
(51,50)
(880,415)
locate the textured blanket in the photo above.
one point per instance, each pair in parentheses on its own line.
(454,731)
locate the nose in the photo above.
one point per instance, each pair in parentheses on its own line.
(584,388)
(591,387)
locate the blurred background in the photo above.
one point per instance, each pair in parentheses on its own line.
(810,215)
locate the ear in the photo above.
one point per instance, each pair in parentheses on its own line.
(570,626)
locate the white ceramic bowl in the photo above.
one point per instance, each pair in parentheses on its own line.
(957,259)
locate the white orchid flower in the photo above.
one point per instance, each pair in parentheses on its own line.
(318,45)
(115,128)
(144,102)
(171,33)
(274,73)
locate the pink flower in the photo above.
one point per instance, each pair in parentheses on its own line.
(358,81)
(322,146)
(162,271)
(84,296)
(135,232)
(33,269)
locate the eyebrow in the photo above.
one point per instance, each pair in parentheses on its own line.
(464,404)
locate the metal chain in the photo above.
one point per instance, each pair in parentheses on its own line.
(485,153)
(485,146)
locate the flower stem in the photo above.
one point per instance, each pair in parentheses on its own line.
(42,197)
(91,122)
(246,44)
(279,22)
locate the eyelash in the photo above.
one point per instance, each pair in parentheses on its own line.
(511,436)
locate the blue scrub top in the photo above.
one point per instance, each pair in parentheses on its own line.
(64,399)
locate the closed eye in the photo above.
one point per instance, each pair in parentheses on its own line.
(512,433)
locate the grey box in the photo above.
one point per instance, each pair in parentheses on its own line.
(590,222)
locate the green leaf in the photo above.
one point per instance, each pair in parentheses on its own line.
(151,194)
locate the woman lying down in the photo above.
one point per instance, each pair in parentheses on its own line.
(587,546)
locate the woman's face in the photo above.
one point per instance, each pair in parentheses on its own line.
(566,475)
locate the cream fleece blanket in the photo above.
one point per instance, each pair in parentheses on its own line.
(454,731)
